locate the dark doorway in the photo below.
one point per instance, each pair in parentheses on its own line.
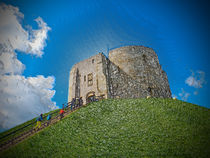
(90,97)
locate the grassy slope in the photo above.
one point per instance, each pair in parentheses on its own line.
(124,128)
(22,125)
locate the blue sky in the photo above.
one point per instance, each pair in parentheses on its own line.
(178,31)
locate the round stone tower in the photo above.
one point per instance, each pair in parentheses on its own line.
(142,64)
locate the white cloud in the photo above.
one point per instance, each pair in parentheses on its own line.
(9,64)
(21,98)
(196,80)
(24,98)
(15,37)
(184,95)
(38,37)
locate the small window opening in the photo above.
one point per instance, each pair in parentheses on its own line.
(150,91)
(90,79)
(84,78)
(144,58)
(92,60)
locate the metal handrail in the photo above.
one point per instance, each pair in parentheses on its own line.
(69,105)
(27,125)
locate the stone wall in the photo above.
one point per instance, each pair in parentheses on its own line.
(142,65)
(122,85)
(78,83)
(129,72)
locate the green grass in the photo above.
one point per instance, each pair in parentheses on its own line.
(124,128)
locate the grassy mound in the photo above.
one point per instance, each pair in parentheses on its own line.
(124,128)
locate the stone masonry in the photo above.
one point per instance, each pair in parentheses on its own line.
(129,72)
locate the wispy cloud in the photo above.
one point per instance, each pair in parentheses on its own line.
(196,79)
(195,92)
(21,98)
(184,95)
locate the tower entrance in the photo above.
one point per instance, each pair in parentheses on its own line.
(90,97)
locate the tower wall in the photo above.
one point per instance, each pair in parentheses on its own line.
(142,65)
(122,85)
(88,77)
(130,72)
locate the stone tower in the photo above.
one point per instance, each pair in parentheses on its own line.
(88,78)
(129,72)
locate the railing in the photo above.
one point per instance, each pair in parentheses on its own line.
(69,105)
(76,103)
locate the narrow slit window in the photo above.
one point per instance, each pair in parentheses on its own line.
(144,58)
